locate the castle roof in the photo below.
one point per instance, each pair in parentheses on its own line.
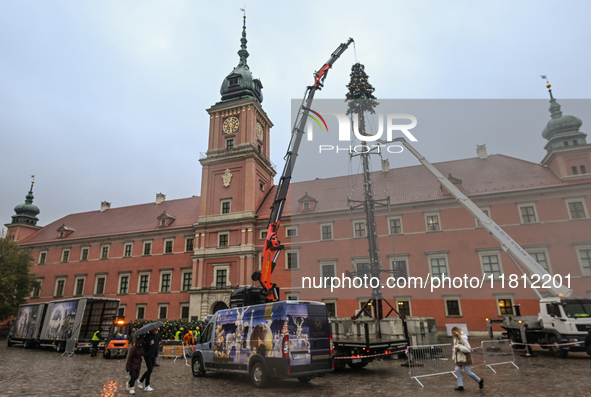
(118,221)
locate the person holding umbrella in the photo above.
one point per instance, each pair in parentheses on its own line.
(134,363)
(151,343)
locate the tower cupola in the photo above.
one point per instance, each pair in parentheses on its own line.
(562,131)
(27,212)
(239,84)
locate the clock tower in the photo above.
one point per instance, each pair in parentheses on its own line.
(237,165)
(237,175)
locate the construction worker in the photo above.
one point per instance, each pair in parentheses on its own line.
(96,338)
(177,336)
(188,339)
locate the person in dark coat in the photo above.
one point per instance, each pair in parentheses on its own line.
(150,355)
(134,363)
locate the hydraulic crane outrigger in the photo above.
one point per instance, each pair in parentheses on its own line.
(272,246)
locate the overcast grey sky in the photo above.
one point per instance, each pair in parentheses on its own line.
(106,100)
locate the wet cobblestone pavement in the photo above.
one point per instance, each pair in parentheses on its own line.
(47,373)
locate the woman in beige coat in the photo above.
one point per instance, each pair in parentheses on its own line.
(463,358)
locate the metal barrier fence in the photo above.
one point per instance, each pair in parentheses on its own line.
(189,349)
(171,349)
(430,360)
(70,347)
(497,352)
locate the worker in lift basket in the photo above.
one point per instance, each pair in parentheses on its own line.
(96,338)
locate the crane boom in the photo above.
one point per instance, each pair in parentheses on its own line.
(508,245)
(272,247)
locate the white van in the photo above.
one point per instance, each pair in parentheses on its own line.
(287,339)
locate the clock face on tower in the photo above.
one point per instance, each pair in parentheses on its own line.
(259,131)
(230,125)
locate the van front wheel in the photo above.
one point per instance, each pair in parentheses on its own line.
(257,374)
(198,367)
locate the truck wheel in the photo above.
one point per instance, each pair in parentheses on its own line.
(257,375)
(357,365)
(305,379)
(8,342)
(558,351)
(60,347)
(107,354)
(197,367)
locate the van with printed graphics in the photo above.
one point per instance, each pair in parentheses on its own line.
(286,339)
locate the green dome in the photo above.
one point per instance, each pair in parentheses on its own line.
(559,123)
(26,212)
(27,208)
(562,131)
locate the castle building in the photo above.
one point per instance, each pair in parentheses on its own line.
(180,259)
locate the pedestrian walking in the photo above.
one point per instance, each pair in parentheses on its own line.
(96,338)
(150,354)
(134,363)
(463,358)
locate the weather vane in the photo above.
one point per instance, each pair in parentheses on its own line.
(243,10)
(548,85)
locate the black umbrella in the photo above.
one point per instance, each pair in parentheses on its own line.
(147,328)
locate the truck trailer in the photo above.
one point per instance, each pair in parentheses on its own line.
(54,323)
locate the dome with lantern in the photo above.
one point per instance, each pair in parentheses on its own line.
(240,84)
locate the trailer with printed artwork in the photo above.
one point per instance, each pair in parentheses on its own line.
(54,323)
(27,325)
(288,339)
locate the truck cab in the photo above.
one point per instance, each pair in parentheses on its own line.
(288,339)
(566,319)
(561,325)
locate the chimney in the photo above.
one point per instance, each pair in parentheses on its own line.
(481,151)
(105,206)
(385,166)
(160,198)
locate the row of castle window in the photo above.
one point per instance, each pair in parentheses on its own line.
(451,304)
(127,250)
(527,212)
(490,263)
(123,285)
